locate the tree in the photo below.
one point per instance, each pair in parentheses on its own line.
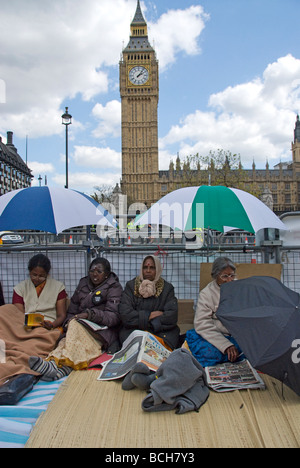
(225,168)
(217,168)
(103,193)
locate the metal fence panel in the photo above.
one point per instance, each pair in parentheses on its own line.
(180,267)
(67,267)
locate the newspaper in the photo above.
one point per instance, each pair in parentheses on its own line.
(91,325)
(230,376)
(140,346)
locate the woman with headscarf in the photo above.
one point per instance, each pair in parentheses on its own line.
(148,303)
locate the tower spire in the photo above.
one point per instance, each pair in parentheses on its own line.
(297,130)
(139,41)
(138,17)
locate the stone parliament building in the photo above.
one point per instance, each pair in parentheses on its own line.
(142,181)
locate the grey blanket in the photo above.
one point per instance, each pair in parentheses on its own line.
(180,384)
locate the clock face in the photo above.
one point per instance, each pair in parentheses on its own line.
(138,75)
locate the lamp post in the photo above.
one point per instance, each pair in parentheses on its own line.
(67,120)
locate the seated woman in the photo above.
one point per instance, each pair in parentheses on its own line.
(38,294)
(41,293)
(148,303)
(210,342)
(96,299)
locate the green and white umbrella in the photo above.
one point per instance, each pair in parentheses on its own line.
(220,208)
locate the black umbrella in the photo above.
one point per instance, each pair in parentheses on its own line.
(263,316)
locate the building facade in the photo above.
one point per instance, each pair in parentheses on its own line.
(14,173)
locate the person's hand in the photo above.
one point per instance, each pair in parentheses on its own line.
(48,325)
(154,314)
(232,353)
(83,315)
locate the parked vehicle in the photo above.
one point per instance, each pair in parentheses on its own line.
(8,238)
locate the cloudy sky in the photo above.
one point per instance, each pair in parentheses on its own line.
(229,78)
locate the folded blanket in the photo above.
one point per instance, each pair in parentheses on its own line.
(17,344)
(180,384)
(16,422)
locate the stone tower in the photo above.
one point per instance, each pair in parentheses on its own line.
(296,143)
(139,89)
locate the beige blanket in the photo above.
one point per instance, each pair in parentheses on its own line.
(17,344)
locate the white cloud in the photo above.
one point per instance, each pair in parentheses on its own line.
(41,168)
(254,119)
(109,118)
(59,49)
(99,158)
(178,31)
(2,92)
(55,50)
(85,181)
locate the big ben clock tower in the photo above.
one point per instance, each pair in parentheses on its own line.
(139,88)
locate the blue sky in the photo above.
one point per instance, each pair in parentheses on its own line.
(229,78)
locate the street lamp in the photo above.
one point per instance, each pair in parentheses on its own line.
(67,120)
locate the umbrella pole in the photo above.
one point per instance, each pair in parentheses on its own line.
(207,244)
(89,255)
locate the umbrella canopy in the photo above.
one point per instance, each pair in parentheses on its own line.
(264,318)
(220,208)
(50,210)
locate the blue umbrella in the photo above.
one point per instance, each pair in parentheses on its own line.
(50,210)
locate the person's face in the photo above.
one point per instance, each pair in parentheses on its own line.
(149,269)
(97,274)
(226,276)
(38,275)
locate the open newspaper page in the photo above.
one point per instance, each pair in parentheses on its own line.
(138,347)
(153,353)
(233,376)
